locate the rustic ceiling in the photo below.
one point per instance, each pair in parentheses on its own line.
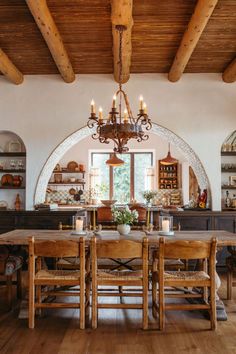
(85,27)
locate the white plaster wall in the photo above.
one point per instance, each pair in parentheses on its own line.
(200,108)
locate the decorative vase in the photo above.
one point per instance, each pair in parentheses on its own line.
(123,229)
(148,203)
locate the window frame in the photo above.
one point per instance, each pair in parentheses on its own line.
(132,172)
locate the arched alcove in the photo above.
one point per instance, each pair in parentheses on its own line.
(84,132)
(12,170)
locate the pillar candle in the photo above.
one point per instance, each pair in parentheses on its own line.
(79,225)
(166,225)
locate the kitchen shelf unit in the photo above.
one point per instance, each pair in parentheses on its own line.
(228,158)
(168,176)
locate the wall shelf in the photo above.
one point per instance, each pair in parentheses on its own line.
(12,171)
(228,153)
(82,172)
(66,184)
(13,154)
(228,187)
(11,187)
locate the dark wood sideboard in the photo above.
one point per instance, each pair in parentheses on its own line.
(188,220)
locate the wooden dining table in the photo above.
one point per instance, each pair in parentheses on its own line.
(224,238)
(21,236)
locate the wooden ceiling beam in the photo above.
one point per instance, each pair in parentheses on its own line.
(121,14)
(48,28)
(198,22)
(8,69)
(229,75)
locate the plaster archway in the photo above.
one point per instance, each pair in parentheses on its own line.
(84,132)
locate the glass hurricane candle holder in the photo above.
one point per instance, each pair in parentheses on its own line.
(166,225)
(79,225)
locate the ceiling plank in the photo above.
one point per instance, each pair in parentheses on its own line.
(199,19)
(48,28)
(9,69)
(229,75)
(121,14)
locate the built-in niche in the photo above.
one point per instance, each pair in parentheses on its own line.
(228,172)
(12,171)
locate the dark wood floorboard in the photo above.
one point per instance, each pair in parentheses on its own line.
(119,332)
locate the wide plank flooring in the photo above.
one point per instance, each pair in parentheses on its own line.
(119,332)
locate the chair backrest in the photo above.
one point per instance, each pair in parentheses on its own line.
(186,249)
(104,214)
(56,248)
(119,248)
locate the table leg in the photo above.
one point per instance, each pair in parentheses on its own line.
(220,308)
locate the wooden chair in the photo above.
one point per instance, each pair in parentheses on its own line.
(42,279)
(119,249)
(10,267)
(231,268)
(205,251)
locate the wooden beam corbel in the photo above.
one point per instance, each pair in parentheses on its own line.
(229,75)
(8,69)
(199,19)
(121,14)
(48,28)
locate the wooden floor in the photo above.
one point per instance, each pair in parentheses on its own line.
(119,332)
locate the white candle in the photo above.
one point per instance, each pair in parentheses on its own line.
(144,108)
(166,225)
(79,225)
(141,102)
(114,102)
(100,116)
(92,106)
(125,116)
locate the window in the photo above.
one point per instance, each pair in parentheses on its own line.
(125,182)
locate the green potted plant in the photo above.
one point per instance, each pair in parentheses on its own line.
(124,217)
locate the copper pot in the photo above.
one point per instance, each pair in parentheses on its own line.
(17,181)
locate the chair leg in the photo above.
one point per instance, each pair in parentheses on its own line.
(39,298)
(213,308)
(87,297)
(145,306)
(229,283)
(94,307)
(82,305)
(19,284)
(9,291)
(161,308)
(154,298)
(31,306)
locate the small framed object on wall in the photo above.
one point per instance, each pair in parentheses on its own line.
(14,146)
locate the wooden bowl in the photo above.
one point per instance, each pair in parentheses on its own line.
(108,202)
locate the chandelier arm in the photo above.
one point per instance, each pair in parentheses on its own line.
(91,122)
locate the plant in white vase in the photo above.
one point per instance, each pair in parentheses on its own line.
(124,217)
(148,195)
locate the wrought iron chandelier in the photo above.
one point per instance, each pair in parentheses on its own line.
(120,126)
